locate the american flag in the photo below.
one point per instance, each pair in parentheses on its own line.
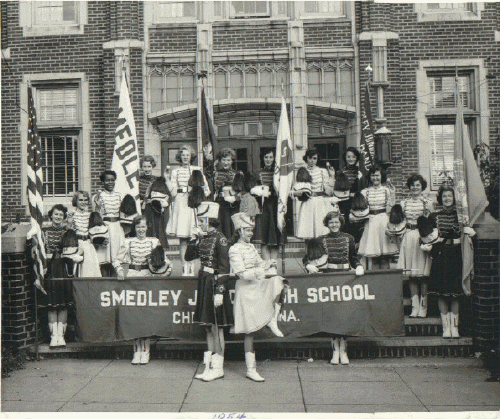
(35,192)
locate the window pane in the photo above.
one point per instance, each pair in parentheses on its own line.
(442,145)
(156,92)
(188,93)
(253,129)
(313,82)
(267,128)
(57,105)
(329,85)
(311,6)
(69,11)
(251,84)
(223,131)
(346,87)
(236,80)
(238,129)
(261,7)
(190,9)
(265,84)
(220,85)
(241,162)
(237,7)
(442,91)
(172,91)
(218,9)
(281,81)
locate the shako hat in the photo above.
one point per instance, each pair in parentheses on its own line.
(242,220)
(208,209)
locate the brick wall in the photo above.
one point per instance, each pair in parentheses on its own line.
(486,294)
(236,37)
(18,319)
(171,39)
(327,35)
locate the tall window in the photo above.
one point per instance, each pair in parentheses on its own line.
(42,18)
(441,116)
(59,124)
(171,86)
(331,81)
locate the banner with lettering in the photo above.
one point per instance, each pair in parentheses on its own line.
(112,310)
(125,160)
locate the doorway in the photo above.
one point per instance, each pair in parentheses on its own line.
(249,152)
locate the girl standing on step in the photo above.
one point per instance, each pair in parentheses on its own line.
(415,263)
(342,256)
(213,305)
(223,180)
(138,250)
(446,270)
(146,178)
(182,223)
(256,302)
(374,244)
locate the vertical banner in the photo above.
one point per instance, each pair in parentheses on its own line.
(126,154)
(35,194)
(367,138)
(283,172)
(470,196)
(208,138)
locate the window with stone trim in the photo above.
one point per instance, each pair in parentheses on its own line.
(164,11)
(171,86)
(331,81)
(59,123)
(324,8)
(448,11)
(251,80)
(41,18)
(250,9)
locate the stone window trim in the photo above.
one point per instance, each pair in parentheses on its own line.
(30,28)
(426,115)
(84,126)
(472,12)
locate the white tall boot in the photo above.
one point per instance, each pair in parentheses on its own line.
(445,319)
(185,269)
(61,330)
(146,345)
(191,269)
(336,351)
(137,352)
(422,311)
(53,335)
(217,370)
(273,324)
(252,367)
(415,306)
(344,360)
(207,359)
(454,325)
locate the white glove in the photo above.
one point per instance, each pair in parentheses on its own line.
(311,269)
(360,175)
(426,247)
(121,274)
(230,199)
(218,298)
(469,231)
(260,274)
(360,270)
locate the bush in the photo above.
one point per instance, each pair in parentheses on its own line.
(12,360)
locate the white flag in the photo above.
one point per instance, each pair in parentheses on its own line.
(283,172)
(126,154)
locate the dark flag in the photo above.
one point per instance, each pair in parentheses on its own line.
(35,195)
(208,138)
(367,138)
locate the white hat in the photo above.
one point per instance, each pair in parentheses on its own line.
(242,220)
(208,209)
(260,190)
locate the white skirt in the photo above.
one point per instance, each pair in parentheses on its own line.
(89,268)
(254,303)
(311,214)
(116,238)
(374,241)
(412,259)
(181,222)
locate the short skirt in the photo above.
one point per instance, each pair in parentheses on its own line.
(374,242)
(205,309)
(446,272)
(311,214)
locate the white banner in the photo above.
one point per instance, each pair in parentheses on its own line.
(126,154)
(283,173)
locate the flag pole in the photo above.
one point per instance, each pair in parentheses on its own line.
(283,232)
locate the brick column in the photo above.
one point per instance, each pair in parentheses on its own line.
(18,305)
(486,285)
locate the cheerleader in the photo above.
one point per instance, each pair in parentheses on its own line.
(256,299)
(312,211)
(211,247)
(156,210)
(267,233)
(107,202)
(57,311)
(415,263)
(223,179)
(182,223)
(138,251)
(146,178)
(342,256)
(446,270)
(374,244)
(351,159)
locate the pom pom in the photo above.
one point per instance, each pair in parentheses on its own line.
(128,205)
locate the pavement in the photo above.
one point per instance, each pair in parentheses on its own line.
(291,386)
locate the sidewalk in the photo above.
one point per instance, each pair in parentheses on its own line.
(381,385)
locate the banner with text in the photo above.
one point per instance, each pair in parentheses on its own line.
(112,310)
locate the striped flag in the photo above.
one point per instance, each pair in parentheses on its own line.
(470,196)
(126,153)
(283,173)
(35,194)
